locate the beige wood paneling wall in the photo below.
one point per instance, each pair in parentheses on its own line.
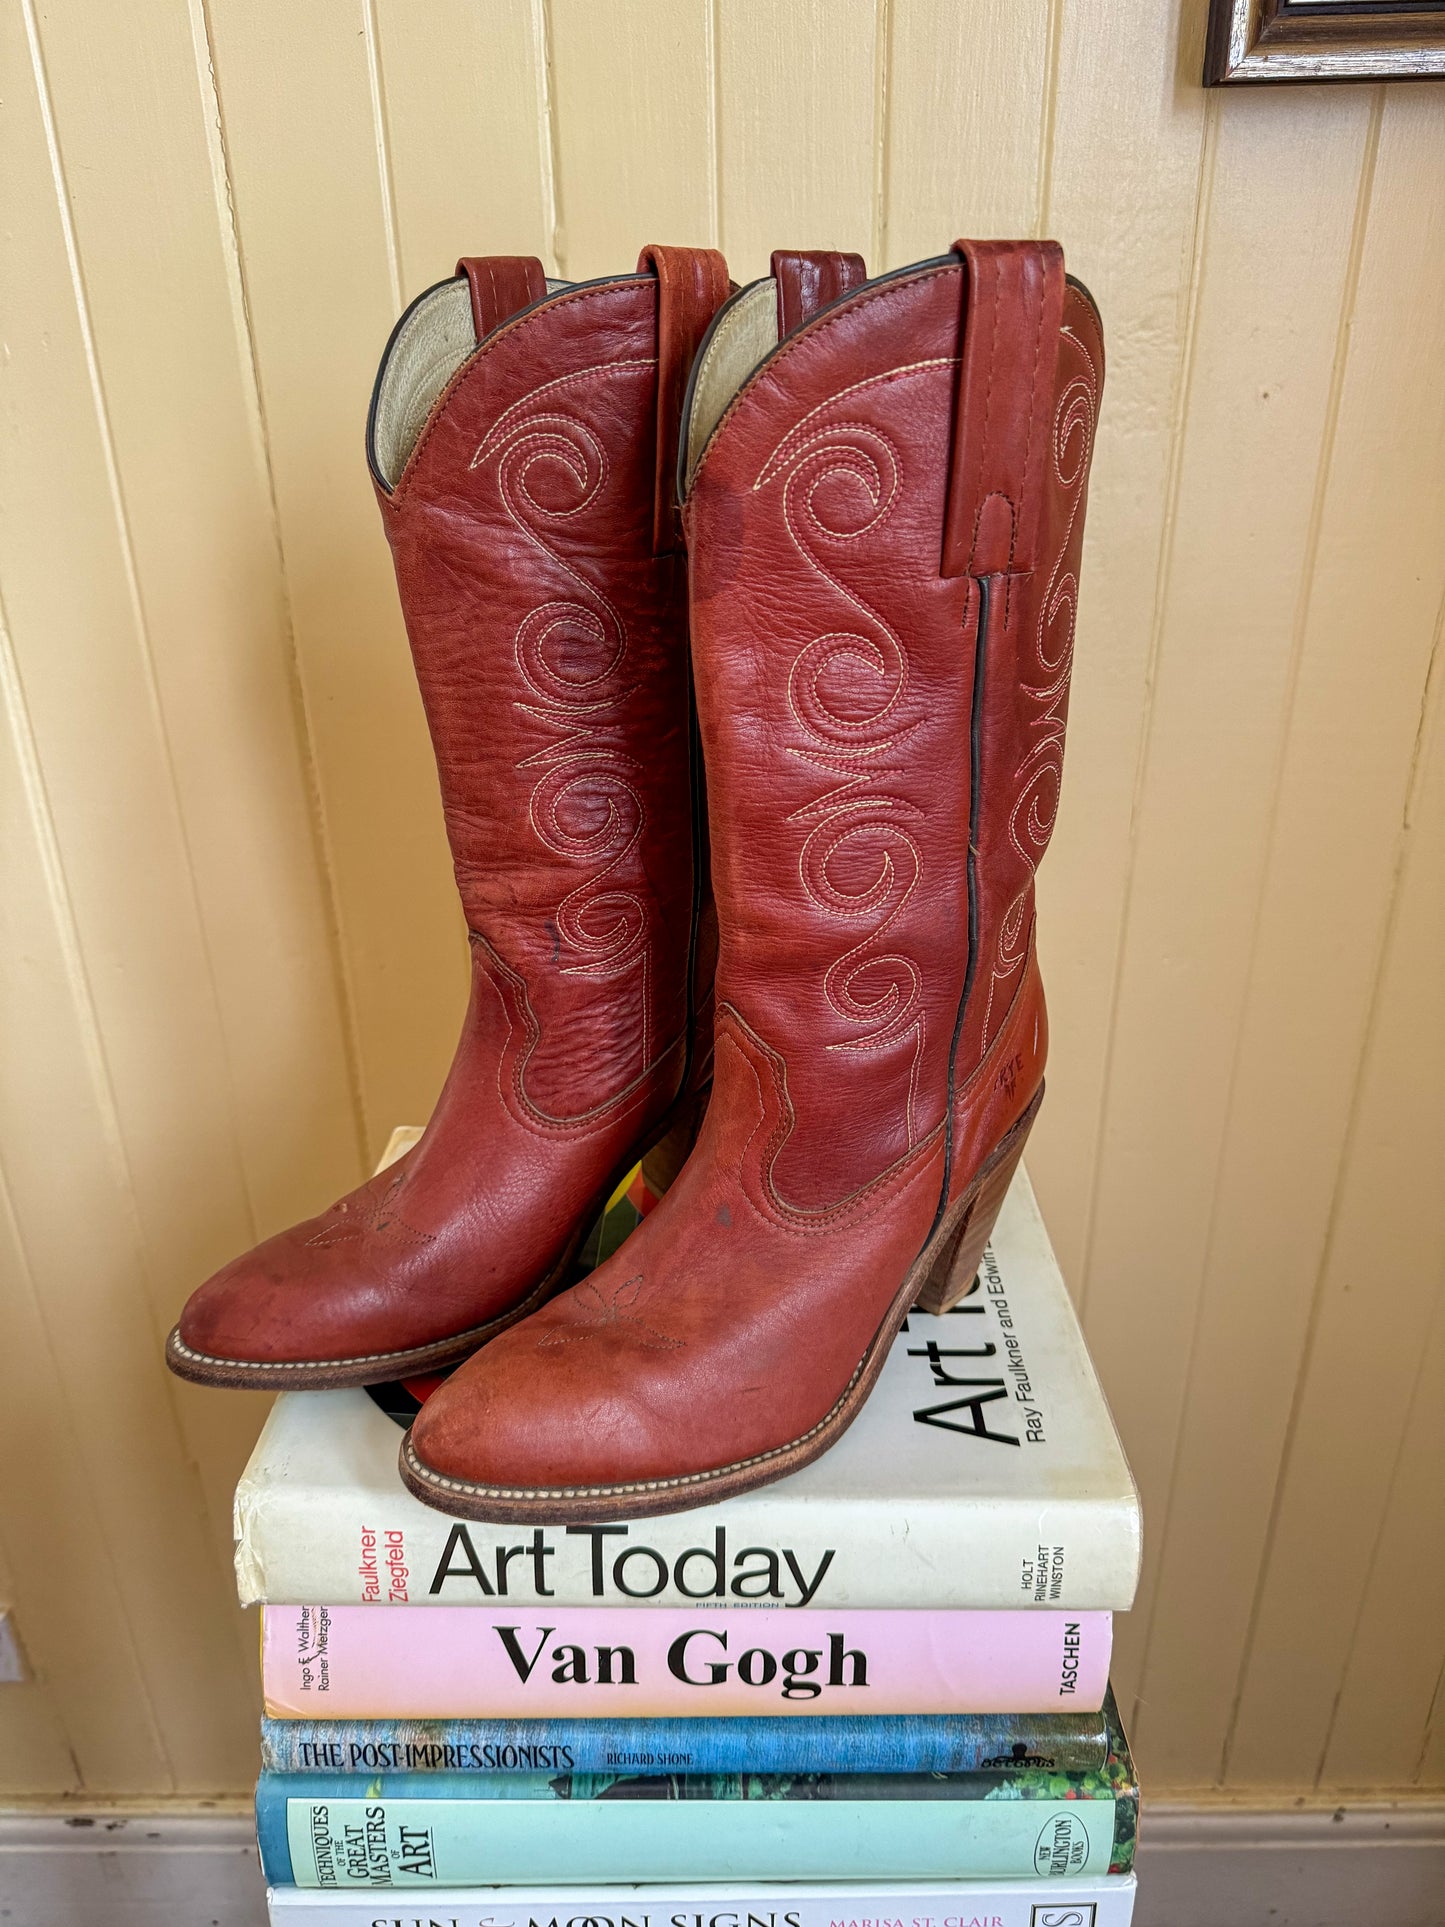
(229,952)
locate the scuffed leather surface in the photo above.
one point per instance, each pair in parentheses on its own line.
(550,645)
(727,1326)
(834,665)
(449,1236)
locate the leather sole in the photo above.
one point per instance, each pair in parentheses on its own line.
(941,1274)
(378,1368)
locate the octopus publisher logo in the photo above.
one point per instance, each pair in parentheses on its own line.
(1079,1914)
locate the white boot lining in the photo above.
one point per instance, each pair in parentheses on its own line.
(747,333)
(437,336)
(433,341)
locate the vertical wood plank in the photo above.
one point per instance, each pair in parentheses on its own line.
(1318,933)
(34,1757)
(121,1601)
(633,98)
(1382,1347)
(67,561)
(173,363)
(1241,549)
(152,1084)
(797,128)
(463,93)
(968,97)
(1128,228)
(1430,1768)
(172,358)
(305,148)
(1356,722)
(1386,1729)
(70,1603)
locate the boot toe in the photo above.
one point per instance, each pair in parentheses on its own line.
(245,1314)
(517,1419)
(292,1302)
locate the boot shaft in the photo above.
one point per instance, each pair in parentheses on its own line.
(884,519)
(517,458)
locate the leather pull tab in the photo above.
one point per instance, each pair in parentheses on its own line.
(501,285)
(692,284)
(1012,312)
(807,282)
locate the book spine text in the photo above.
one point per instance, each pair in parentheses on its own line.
(1033,1903)
(370,1836)
(901,1743)
(348,1662)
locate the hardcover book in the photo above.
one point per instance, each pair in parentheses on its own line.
(337,1831)
(831,1742)
(984,1471)
(465,1662)
(1108,1902)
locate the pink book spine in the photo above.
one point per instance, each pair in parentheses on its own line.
(460,1662)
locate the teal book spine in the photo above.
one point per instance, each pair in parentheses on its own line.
(428,1830)
(830,1743)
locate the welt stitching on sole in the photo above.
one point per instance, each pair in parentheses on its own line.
(545,1493)
(179,1345)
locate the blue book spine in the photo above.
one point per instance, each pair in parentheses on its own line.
(963,1743)
(434,1830)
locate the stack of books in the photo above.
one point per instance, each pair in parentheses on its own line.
(875,1692)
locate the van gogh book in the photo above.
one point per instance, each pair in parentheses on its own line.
(1003,1903)
(837,1743)
(464,1662)
(425,1830)
(984,1471)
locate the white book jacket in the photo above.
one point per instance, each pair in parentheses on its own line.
(984,1471)
(1107,1902)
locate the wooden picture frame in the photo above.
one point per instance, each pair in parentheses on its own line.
(1271,40)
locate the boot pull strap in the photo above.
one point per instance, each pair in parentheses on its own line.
(807,282)
(692,284)
(1013,310)
(501,285)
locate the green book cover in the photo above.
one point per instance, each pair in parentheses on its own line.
(424,1830)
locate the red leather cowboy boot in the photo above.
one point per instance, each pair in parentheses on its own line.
(884,521)
(522,439)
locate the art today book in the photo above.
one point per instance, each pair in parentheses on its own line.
(984,1472)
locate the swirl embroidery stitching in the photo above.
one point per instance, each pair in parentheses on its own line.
(571,652)
(841,481)
(1040,774)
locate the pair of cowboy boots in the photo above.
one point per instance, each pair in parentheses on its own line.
(820,965)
